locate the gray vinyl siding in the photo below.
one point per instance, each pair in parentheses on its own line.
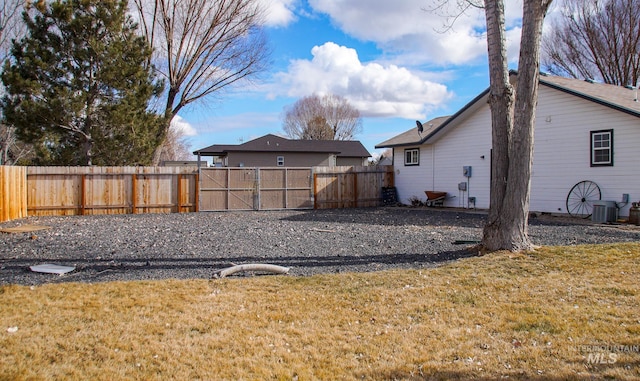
(350,161)
(270,159)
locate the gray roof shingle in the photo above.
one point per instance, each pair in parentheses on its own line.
(412,136)
(274,143)
(617,97)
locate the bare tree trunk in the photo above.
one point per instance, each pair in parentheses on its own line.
(7,137)
(161,139)
(170,111)
(507,225)
(516,205)
(501,103)
(4,155)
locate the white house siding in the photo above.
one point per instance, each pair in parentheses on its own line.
(412,181)
(465,145)
(561,156)
(441,165)
(562,151)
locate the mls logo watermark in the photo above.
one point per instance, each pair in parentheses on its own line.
(602,358)
(606,354)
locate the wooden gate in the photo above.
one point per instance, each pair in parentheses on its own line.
(255,189)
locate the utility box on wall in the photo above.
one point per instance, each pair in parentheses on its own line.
(466,171)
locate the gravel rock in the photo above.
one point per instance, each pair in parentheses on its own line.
(195,245)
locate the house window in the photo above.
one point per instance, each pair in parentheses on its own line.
(602,148)
(280,161)
(412,156)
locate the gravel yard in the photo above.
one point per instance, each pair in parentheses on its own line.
(159,246)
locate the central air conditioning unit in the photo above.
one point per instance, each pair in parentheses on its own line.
(604,211)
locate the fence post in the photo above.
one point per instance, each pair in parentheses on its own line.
(286,188)
(134,190)
(179,192)
(315,191)
(256,190)
(197,195)
(83,195)
(355,190)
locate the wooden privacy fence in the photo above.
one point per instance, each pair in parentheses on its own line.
(350,187)
(292,188)
(43,191)
(110,190)
(13,193)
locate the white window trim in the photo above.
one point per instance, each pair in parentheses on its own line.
(594,149)
(280,161)
(415,156)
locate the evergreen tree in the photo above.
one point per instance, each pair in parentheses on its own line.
(78,86)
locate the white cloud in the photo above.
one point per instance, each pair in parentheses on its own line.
(181,125)
(419,47)
(374,89)
(417,31)
(279,12)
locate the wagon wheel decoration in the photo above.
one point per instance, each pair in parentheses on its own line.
(581,197)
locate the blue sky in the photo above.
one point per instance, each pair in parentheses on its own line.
(393,60)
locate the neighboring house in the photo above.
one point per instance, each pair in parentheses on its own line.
(183,163)
(275,151)
(385,161)
(584,131)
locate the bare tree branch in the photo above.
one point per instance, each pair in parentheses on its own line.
(203,47)
(176,146)
(596,39)
(329,117)
(11,27)
(451,12)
